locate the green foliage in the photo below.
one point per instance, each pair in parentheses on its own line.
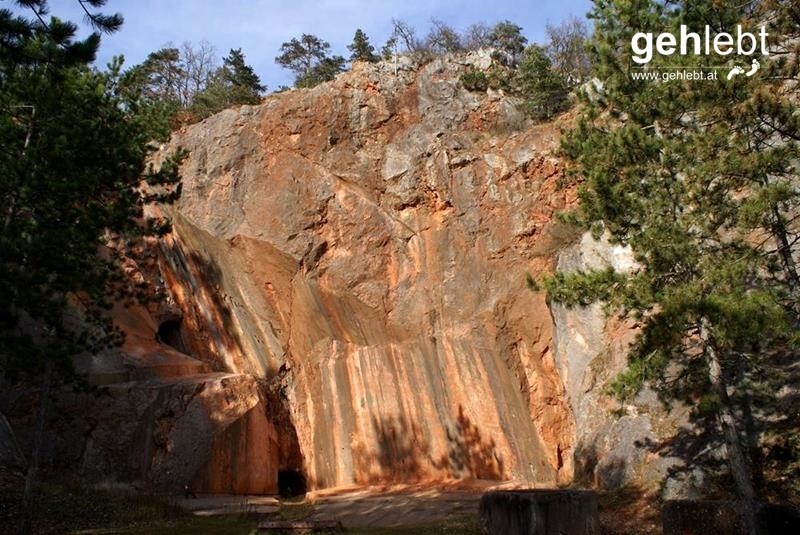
(151,90)
(159,78)
(70,179)
(581,289)
(324,71)
(475,80)
(507,38)
(234,84)
(152,115)
(699,179)
(544,91)
(308,58)
(531,283)
(501,78)
(361,49)
(175,85)
(388,49)
(244,83)
(29,42)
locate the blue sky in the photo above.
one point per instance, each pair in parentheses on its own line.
(260,26)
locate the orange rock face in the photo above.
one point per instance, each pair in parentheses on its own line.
(244,458)
(364,245)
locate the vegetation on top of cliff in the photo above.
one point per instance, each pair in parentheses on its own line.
(177,86)
(361,49)
(699,178)
(72,170)
(308,58)
(540,76)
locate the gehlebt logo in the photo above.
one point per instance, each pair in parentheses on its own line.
(746,45)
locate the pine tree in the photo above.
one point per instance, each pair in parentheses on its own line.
(171,81)
(152,90)
(699,179)
(302,55)
(361,49)
(389,48)
(544,91)
(507,38)
(308,58)
(244,82)
(324,71)
(160,77)
(70,170)
(233,84)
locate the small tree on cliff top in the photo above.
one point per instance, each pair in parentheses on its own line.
(308,58)
(443,39)
(507,37)
(699,178)
(566,48)
(245,85)
(544,91)
(235,83)
(361,49)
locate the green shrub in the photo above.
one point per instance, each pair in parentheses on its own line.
(475,80)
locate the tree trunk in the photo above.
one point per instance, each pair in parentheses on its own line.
(751,431)
(740,471)
(785,250)
(12,203)
(31,478)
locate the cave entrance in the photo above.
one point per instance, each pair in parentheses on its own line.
(291,484)
(169,333)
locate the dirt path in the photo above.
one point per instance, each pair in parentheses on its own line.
(405,509)
(365,508)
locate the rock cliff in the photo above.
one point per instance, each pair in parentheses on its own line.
(347,299)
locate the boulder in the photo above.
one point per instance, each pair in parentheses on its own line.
(540,512)
(210,432)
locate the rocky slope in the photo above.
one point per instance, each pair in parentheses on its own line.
(347,300)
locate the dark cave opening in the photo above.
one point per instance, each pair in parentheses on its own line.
(291,484)
(169,333)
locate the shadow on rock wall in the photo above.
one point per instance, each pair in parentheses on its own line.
(469,453)
(208,328)
(694,453)
(405,454)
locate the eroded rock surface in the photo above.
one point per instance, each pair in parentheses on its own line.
(366,242)
(611,450)
(346,300)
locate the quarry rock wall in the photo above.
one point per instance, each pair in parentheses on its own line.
(368,240)
(350,262)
